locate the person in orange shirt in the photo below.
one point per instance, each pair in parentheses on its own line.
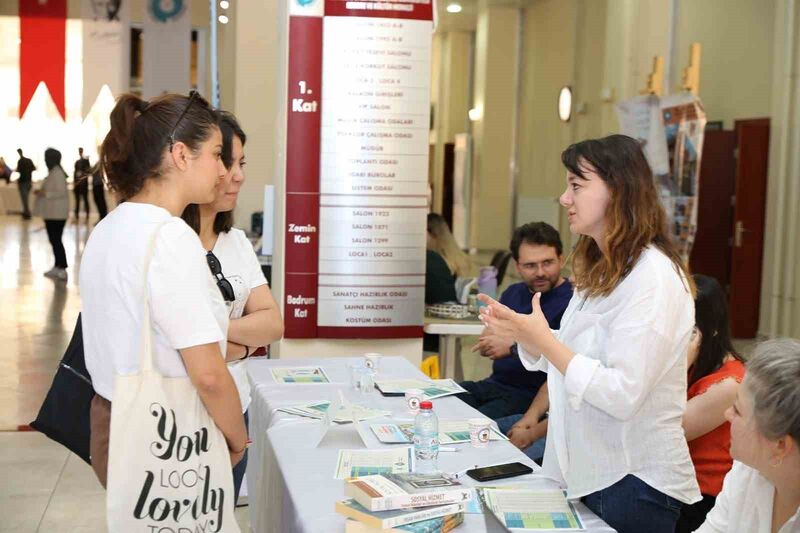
(715,372)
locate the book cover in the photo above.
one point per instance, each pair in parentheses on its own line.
(385,492)
(434,525)
(398,517)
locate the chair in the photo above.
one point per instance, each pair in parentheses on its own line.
(430,366)
(497,257)
(502,266)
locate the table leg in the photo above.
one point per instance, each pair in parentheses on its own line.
(449,346)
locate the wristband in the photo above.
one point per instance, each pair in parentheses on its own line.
(246,353)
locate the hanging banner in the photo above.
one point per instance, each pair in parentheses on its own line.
(684,124)
(106,49)
(357,166)
(166,54)
(42,52)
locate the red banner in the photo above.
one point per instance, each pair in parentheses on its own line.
(302,176)
(395,9)
(42,52)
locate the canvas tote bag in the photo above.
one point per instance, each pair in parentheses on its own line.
(169,468)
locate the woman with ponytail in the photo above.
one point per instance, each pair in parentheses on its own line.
(159,157)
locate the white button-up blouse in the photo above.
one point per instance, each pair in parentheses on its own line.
(618,409)
(745,505)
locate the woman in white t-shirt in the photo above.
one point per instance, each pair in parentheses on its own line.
(158,156)
(616,369)
(761,493)
(255,318)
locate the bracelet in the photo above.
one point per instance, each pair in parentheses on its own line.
(246,353)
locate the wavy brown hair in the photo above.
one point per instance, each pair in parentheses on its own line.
(635,218)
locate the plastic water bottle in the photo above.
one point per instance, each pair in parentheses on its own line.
(487,282)
(426,439)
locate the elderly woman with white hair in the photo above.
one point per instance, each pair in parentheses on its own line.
(761,494)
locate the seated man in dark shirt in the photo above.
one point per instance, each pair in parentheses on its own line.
(537,250)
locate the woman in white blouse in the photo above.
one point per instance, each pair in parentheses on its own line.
(255,319)
(617,367)
(761,494)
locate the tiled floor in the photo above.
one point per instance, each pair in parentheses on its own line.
(43,487)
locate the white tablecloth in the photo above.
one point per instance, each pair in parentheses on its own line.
(290,483)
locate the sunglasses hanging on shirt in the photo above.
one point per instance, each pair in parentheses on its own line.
(223,284)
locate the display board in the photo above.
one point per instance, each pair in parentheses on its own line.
(357,165)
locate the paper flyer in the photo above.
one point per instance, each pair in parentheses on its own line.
(436,388)
(358,463)
(532,510)
(450,432)
(300,374)
(317,410)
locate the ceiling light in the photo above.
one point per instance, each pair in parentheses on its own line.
(224,4)
(223,19)
(453,8)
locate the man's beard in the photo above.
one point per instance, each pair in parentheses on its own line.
(546,285)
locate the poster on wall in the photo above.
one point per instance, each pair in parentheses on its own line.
(356,174)
(166,51)
(684,125)
(670,130)
(641,119)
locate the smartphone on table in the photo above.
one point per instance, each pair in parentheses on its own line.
(491,473)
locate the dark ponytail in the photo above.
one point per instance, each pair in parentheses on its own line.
(135,146)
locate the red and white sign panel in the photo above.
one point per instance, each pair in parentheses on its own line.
(371,178)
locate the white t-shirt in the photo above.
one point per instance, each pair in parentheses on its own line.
(186,307)
(745,505)
(241,268)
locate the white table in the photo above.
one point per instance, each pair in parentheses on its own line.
(10,201)
(290,483)
(449,331)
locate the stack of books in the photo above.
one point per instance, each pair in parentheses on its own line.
(419,503)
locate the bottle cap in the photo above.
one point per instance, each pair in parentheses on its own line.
(427,404)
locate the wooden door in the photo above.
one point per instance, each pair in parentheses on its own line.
(711,253)
(752,138)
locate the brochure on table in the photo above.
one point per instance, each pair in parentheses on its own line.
(432,389)
(317,411)
(299,375)
(358,463)
(450,432)
(526,510)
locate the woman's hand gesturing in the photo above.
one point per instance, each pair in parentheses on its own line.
(531,331)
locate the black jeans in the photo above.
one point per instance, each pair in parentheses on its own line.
(81,192)
(693,516)
(632,506)
(24,194)
(495,400)
(240,468)
(99,195)
(55,229)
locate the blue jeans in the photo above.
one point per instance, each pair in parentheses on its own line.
(632,506)
(240,468)
(536,450)
(494,400)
